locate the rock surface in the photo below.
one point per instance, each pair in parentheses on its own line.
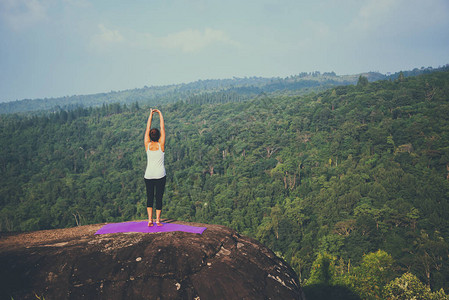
(74,263)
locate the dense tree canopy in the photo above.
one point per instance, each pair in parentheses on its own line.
(344,173)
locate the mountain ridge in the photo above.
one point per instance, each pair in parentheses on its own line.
(237,89)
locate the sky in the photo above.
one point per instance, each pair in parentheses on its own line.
(56,48)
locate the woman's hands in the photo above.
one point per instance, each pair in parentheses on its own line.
(162,125)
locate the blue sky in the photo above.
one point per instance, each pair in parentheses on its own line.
(54,48)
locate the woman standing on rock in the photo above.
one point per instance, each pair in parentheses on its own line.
(155,172)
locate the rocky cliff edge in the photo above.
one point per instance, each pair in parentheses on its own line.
(74,263)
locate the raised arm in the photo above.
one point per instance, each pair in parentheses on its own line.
(162,138)
(147,132)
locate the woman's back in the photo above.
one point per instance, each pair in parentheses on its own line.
(155,161)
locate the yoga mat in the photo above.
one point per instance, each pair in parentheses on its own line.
(142,226)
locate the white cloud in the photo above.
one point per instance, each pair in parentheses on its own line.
(22,14)
(194,40)
(374,9)
(108,35)
(78,3)
(187,41)
(397,17)
(374,14)
(105,38)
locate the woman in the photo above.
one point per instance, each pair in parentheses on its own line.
(155,171)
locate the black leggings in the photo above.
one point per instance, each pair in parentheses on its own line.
(159,186)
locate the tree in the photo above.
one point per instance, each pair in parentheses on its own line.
(363,81)
(375,271)
(323,270)
(408,286)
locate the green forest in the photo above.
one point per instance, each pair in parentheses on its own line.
(349,185)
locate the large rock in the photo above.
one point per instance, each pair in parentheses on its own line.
(74,263)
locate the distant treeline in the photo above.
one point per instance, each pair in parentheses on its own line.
(236,89)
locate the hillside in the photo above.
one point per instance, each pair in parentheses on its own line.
(344,172)
(202,91)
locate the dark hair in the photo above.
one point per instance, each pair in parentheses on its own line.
(155,134)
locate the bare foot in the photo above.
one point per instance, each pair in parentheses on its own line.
(158,223)
(150,223)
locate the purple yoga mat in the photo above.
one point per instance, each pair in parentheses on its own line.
(142,226)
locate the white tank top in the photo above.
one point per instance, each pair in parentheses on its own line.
(155,164)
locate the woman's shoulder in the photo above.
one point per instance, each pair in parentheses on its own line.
(154,146)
